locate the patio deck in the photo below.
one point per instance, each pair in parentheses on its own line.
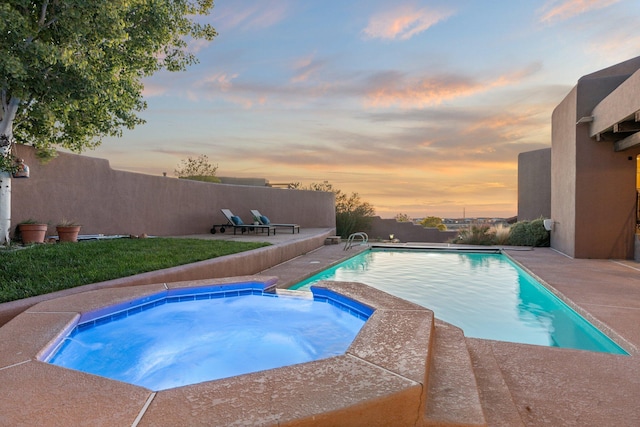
(529,385)
(515,384)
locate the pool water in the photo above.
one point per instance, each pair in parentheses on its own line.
(181,342)
(486,295)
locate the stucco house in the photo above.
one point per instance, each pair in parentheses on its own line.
(587,182)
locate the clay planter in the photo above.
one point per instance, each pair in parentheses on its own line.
(68,233)
(33,233)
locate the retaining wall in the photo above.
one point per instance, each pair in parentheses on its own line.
(381,229)
(240,264)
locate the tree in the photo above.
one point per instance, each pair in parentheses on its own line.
(433,221)
(352,214)
(71,70)
(198,169)
(401,217)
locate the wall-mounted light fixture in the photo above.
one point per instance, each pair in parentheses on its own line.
(548,224)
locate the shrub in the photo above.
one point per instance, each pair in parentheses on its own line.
(433,221)
(197,169)
(202,178)
(475,235)
(352,213)
(501,234)
(529,233)
(401,217)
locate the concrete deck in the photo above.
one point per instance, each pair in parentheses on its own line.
(532,385)
(515,384)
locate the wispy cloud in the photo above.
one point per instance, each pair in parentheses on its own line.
(222,81)
(560,10)
(403,22)
(615,41)
(221,85)
(153,89)
(250,15)
(304,68)
(394,89)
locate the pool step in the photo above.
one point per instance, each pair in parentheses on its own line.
(499,408)
(452,397)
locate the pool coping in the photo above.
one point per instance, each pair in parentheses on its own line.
(381,377)
(600,327)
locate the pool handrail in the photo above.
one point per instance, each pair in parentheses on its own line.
(353,236)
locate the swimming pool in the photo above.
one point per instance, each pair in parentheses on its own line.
(187,339)
(486,295)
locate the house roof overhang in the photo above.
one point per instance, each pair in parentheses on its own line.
(617,117)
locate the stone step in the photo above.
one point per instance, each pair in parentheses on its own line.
(452,395)
(495,396)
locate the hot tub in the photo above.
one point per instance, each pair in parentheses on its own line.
(379,380)
(186,336)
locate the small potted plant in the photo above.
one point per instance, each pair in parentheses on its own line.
(68,231)
(32,231)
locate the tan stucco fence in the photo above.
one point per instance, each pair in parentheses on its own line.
(107,201)
(382,229)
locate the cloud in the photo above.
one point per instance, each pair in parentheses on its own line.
(561,10)
(403,22)
(305,68)
(250,15)
(221,85)
(196,45)
(465,140)
(153,89)
(615,40)
(220,80)
(394,89)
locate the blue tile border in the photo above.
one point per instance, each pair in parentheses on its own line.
(342,302)
(172,296)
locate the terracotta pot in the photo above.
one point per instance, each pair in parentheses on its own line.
(68,233)
(33,233)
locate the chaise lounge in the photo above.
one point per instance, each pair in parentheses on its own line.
(263,220)
(237,224)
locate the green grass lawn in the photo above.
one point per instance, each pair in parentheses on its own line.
(40,269)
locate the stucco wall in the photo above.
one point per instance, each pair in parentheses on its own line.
(109,201)
(605,181)
(563,174)
(534,185)
(407,231)
(593,187)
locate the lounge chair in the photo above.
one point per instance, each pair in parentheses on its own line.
(237,224)
(263,220)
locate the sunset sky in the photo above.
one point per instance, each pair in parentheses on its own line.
(419,106)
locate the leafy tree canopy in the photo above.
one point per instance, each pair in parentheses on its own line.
(71,70)
(433,221)
(352,213)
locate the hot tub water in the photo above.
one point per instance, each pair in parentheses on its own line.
(177,343)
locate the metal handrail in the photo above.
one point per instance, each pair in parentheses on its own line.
(352,237)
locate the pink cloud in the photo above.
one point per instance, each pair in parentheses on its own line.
(393,90)
(560,10)
(260,15)
(403,23)
(305,68)
(151,89)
